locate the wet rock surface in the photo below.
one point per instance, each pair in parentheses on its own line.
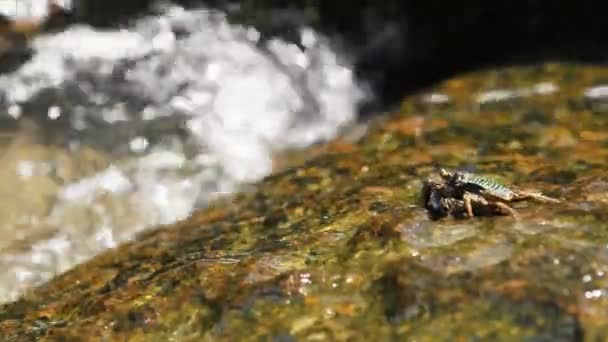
(14,47)
(339,248)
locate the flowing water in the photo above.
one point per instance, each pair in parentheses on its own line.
(106,133)
(27,9)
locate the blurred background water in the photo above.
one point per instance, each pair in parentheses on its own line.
(105,133)
(27,9)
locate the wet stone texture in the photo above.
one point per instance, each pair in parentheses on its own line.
(339,247)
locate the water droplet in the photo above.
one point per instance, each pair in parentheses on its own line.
(54,113)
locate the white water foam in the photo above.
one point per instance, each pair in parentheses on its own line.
(241,104)
(30,9)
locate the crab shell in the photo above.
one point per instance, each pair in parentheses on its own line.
(490,189)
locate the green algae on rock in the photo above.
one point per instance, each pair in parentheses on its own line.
(338,247)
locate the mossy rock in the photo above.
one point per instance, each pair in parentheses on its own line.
(339,247)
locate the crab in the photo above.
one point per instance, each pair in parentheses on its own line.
(463,194)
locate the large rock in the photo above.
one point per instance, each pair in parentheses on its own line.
(339,248)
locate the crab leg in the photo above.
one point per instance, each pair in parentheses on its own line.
(537,196)
(467,198)
(507,209)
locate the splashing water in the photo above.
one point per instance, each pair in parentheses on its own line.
(197,106)
(28,9)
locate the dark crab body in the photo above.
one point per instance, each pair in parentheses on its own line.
(463,194)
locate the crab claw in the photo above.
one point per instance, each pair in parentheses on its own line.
(542,198)
(444,173)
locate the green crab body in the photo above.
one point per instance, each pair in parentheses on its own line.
(466,194)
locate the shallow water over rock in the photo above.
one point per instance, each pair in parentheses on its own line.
(339,247)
